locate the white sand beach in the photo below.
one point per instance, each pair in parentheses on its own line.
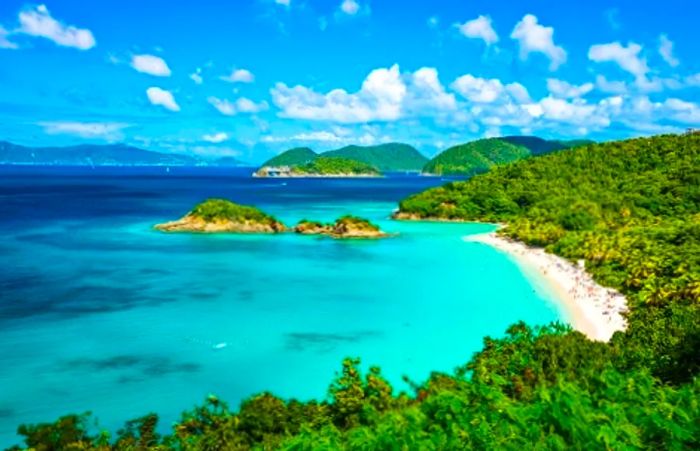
(591,309)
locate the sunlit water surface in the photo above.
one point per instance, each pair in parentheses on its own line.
(99,312)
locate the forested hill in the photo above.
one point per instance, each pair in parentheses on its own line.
(480,156)
(385,157)
(101,155)
(292,157)
(631,210)
(390,157)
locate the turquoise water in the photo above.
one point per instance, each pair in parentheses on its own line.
(99,312)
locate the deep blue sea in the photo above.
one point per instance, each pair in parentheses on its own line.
(99,312)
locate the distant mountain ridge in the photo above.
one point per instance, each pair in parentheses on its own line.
(100,155)
(481,155)
(390,157)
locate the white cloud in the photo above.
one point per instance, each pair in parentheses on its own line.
(161,97)
(216,137)
(150,64)
(379,99)
(240,76)
(682,111)
(479,28)
(37,21)
(693,80)
(90,130)
(427,93)
(242,105)
(324,136)
(666,51)
(350,7)
(245,105)
(626,57)
(534,37)
(223,106)
(196,76)
(4,42)
(610,86)
(565,90)
(479,90)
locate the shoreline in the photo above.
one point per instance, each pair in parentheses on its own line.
(592,309)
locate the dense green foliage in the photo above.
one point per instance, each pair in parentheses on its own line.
(385,157)
(292,157)
(630,209)
(539,146)
(479,156)
(335,166)
(475,157)
(224,210)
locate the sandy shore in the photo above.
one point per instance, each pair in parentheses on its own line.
(591,309)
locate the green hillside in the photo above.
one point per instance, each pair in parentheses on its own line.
(480,156)
(292,157)
(539,146)
(385,157)
(335,166)
(475,157)
(631,211)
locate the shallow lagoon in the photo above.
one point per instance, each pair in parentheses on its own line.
(99,312)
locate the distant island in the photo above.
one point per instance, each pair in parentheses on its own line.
(344,227)
(321,167)
(101,155)
(468,159)
(479,156)
(224,216)
(221,215)
(391,157)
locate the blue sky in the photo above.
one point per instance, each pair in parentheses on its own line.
(253,77)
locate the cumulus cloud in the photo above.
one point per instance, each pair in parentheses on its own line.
(196,76)
(565,90)
(379,99)
(425,92)
(482,90)
(37,21)
(150,64)
(216,137)
(338,136)
(627,58)
(88,130)
(479,28)
(239,76)
(161,97)
(4,42)
(666,51)
(610,86)
(241,105)
(535,38)
(350,7)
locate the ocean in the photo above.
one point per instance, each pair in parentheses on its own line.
(100,313)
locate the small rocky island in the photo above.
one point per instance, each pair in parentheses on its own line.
(321,167)
(224,216)
(344,227)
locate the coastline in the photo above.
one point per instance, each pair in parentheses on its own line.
(592,309)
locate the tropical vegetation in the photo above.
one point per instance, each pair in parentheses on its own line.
(335,166)
(631,210)
(479,156)
(384,157)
